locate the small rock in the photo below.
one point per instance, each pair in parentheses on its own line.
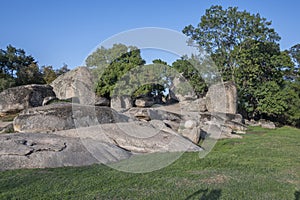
(48,100)
(143,102)
(190,124)
(101,101)
(193,135)
(267,124)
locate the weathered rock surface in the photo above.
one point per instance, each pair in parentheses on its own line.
(198,105)
(19,98)
(101,101)
(35,150)
(267,124)
(192,134)
(138,137)
(222,98)
(217,131)
(77,83)
(121,103)
(6,127)
(148,114)
(144,102)
(225,124)
(48,100)
(64,116)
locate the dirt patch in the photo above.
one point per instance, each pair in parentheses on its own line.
(217,179)
(257,132)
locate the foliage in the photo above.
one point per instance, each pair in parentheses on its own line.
(185,67)
(259,77)
(220,31)
(49,74)
(262,165)
(111,64)
(17,68)
(245,49)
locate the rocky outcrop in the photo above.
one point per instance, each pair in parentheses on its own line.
(64,116)
(16,99)
(77,83)
(222,98)
(121,103)
(101,101)
(6,127)
(49,100)
(35,150)
(144,102)
(198,105)
(262,123)
(148,114)
(137,137)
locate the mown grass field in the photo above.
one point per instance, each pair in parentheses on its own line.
(265,164)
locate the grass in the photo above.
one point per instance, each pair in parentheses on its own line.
(265,164)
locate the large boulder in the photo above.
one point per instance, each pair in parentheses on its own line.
(137,137)
(77,83)
(222,98)
(64,116)
(181,90)
(144,102)
(198,105)
(121,103)
(35,150)
(19,98)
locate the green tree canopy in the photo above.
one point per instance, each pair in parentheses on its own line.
(110,64)
(220,31)
(185,67)
(245,48)
(17,68)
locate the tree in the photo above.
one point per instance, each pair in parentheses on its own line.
(111,64)
(188,71)
(221,31)
(64,69)
(245,48)
(17,68)
(30,74)
(294,53)
(49,74)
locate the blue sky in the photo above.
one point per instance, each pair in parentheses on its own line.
(65,31)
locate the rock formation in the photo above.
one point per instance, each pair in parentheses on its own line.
(15,99)
(121,103)
(36,150)
(74,134)
(222,98)
(64,116)
(77,83)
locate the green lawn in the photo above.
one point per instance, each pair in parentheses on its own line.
(263,165)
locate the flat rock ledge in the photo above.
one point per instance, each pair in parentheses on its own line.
(104,143)
(36,150)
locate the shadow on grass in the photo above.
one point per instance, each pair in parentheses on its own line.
(297,195)
(205,195)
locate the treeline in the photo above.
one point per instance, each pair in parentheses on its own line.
(17,68)
(246,50)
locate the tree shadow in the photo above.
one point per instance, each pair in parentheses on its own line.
(297,195)
(205,194)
